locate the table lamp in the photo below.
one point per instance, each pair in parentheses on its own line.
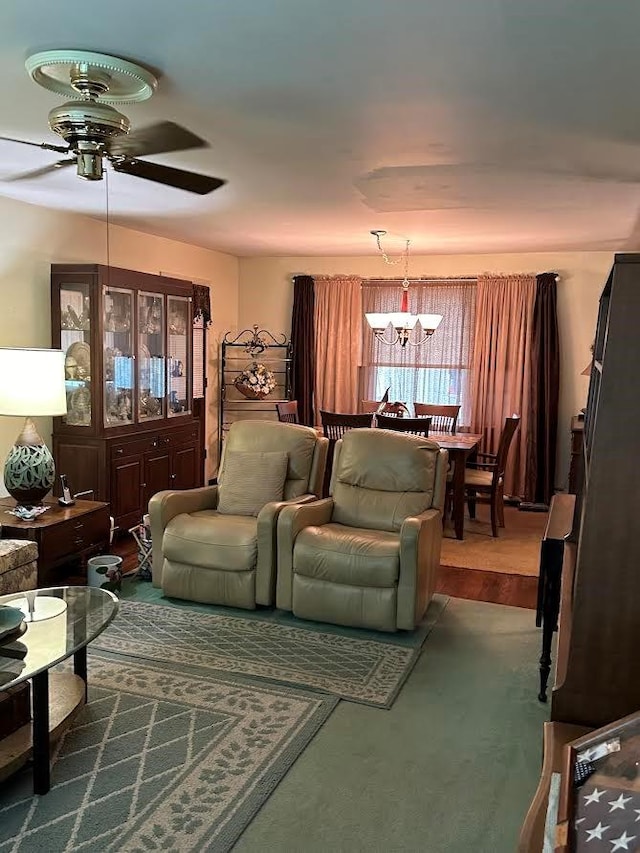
(31,384)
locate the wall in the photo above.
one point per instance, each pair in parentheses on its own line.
(32,238)
(266,298)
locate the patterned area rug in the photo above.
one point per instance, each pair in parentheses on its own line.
(361,670)
(160,760)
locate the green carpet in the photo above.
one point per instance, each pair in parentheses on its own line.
(160,760)
(450,768)
(298,653)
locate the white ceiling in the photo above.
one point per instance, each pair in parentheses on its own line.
(463,125)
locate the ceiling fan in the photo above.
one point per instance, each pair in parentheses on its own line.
(94,131)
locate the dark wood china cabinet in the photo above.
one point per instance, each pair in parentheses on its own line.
(130,428)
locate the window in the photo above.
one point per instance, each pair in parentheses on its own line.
(438,371)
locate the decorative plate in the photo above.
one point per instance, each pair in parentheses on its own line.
(10,620)
(81,352)
(80,407)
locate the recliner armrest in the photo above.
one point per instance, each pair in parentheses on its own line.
(420,543)
(164,506)
(267,544)
(291,521)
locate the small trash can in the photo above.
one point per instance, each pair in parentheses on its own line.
(105,571)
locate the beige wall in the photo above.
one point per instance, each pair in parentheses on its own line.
(266,297)
(31,238)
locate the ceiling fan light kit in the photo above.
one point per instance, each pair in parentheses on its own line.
(95,130)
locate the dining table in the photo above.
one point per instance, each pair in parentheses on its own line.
(462,448)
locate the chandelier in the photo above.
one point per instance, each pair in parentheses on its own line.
(401,327)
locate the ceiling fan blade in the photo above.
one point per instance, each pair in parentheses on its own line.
(190,181)
(43,170)
(155,139)
(63,149)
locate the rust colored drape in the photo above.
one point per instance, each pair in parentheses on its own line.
(545,382)
(338,326)
(502,366)
(303,366)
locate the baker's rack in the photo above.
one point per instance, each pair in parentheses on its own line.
(238,352)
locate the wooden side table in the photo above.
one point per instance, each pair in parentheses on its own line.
(63,535)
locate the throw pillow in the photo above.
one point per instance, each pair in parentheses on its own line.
(251,480)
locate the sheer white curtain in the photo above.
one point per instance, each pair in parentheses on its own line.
(438,371)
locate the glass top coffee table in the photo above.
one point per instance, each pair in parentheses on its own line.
(60,622)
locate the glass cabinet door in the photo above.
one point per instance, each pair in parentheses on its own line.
(179,355)
(118,357)
(75,341)
(151,357)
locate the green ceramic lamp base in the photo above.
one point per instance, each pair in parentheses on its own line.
(29,471)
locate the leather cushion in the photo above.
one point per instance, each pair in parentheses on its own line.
(348,555)
(382,477)
(212,541)
(250,481)
(298,441)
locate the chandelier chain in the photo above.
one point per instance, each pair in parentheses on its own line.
(385,257)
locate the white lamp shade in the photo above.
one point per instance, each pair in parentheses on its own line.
(399,320)
(377,321)
(430,322)
(32,382)
(403,320)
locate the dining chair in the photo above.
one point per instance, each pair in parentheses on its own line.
(415,426)
(334,426)
(484,481)
(288,412)
(443,418)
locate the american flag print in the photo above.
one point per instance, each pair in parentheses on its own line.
(606,820)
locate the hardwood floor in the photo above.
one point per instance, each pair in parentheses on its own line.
(496,587)
(125,547)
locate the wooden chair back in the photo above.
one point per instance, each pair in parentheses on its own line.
(443,418)
(288,412)
(415,426)
(335,425)
(506,436)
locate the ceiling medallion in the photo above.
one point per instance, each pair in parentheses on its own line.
(112,80)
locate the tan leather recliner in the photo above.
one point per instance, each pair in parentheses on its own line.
(368,555)
(203,555)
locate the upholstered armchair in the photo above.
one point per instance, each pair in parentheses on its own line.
(368,555)
(218,544)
